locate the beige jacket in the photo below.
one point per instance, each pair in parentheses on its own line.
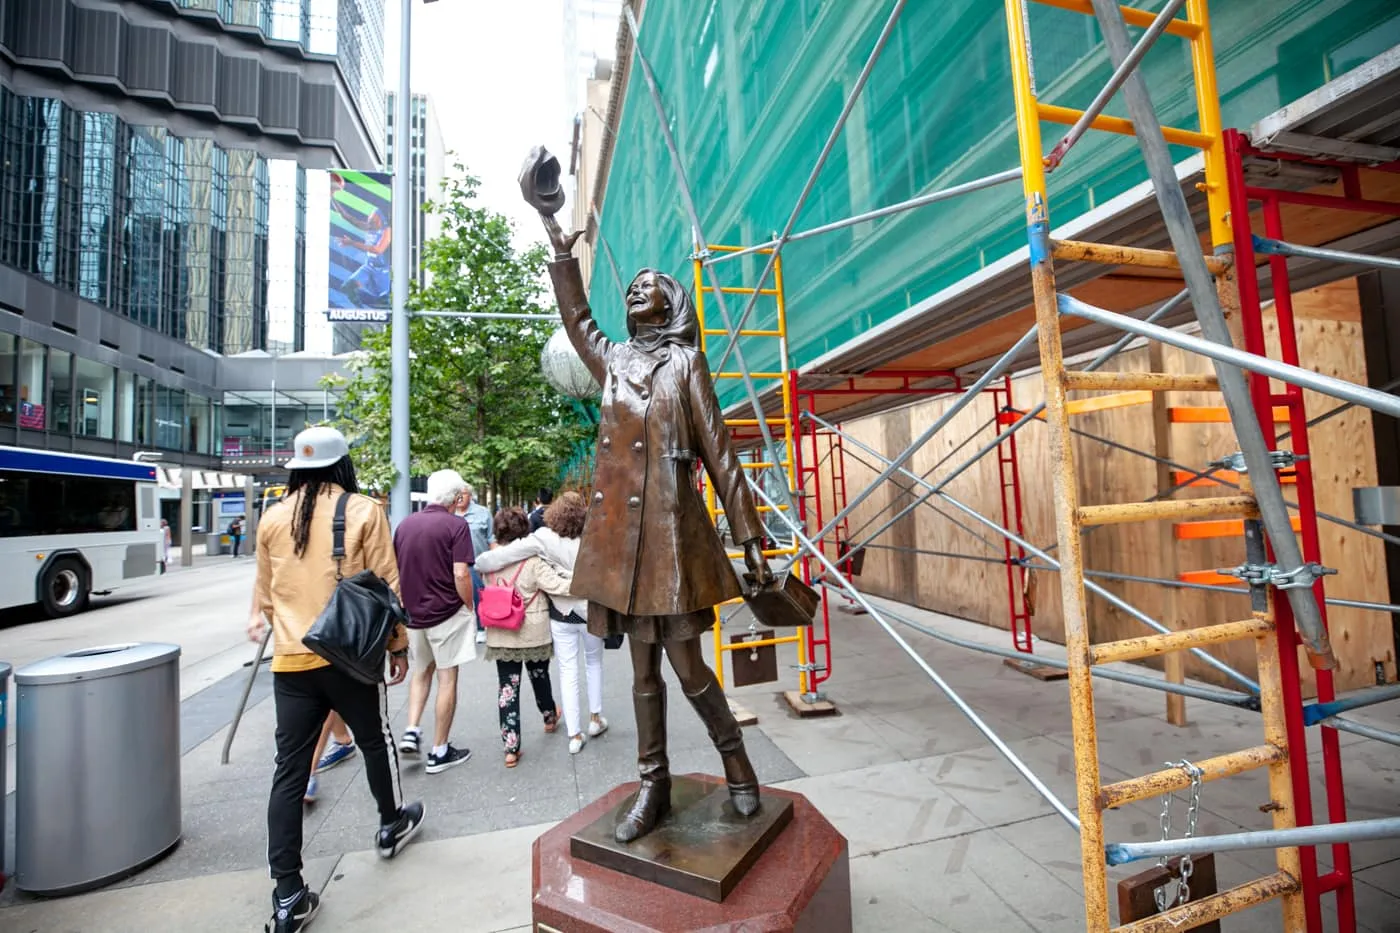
(536,579)
(292,590)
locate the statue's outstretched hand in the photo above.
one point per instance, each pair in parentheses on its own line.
(563,243)
(757,563)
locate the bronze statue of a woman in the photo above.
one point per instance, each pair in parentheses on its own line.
(650,563)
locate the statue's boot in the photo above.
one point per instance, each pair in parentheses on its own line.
(653,800)
(728,737)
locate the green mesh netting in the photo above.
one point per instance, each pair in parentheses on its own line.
(753,89)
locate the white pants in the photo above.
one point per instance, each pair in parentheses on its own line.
(568,637)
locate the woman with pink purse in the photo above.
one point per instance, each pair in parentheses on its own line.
(518,636)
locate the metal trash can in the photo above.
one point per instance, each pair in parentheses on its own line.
(213,544)
(98,765)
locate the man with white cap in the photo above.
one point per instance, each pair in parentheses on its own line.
(434,548)
(296,577)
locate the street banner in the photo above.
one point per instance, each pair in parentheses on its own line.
(361,234)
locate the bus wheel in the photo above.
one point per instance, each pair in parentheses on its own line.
(64,589)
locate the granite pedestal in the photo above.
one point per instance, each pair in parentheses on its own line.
(800,883)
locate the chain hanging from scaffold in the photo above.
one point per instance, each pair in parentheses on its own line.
(1193,808)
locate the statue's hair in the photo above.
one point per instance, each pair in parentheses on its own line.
(682,324)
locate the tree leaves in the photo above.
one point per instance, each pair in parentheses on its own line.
(478,403)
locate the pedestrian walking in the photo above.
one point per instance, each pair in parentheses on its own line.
(235,533)
(557,544)
(478,519)
(296,576)
(335,745)
(164,544)
(434,548)
(531,646)
(542,501)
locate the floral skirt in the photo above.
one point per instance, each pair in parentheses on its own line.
(603,622)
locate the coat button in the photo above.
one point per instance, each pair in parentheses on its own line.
(598,496)
(645,395)
(607,442)
(634,502)
(637,445)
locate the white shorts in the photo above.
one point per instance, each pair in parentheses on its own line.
(448,644)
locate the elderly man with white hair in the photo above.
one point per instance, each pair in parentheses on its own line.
(434,548)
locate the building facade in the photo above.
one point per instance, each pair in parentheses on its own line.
(135,201)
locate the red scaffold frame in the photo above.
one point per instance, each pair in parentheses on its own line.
(816,447)
(1242,196)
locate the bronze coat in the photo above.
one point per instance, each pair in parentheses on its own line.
(648,547)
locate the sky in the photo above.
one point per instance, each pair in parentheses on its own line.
(501,83)
(496,73)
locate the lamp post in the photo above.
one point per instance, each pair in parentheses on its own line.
(400,502)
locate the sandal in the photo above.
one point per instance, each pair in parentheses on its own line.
(551,720)
(512,759)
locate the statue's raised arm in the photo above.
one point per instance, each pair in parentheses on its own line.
(539,183)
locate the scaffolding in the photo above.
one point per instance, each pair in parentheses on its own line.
(783,466)
(1282,579)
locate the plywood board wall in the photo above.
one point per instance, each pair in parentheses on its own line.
(900,565)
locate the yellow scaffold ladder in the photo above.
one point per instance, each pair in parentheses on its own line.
(757,461)
(1071,518)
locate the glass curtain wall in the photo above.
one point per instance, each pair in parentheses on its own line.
(162,230)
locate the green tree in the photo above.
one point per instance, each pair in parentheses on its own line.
(478,402)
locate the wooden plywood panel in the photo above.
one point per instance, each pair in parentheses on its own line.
(1329,336)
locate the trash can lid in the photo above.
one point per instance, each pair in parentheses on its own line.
(93,663)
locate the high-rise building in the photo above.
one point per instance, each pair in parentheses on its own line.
(142,147)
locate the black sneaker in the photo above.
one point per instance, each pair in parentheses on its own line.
(289,918)
(411,743)
(449,759)
(395,836)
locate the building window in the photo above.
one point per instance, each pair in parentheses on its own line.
(98,203)
(145,412)
(126,408)
(9,399)
(61,391)
(31,384)
(201,425)
(96,391)
(171,424)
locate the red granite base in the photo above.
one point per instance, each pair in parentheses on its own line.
(801,884)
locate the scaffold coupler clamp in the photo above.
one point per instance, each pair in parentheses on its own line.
(1304,575)
(701,253)
(1279,460)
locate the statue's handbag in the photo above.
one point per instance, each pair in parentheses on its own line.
(785,603)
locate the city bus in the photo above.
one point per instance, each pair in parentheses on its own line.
(72,525)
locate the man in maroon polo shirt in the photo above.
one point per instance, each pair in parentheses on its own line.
(434,548)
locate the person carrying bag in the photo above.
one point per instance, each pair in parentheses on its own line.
(327,582)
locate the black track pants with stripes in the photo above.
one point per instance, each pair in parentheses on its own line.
(303,701)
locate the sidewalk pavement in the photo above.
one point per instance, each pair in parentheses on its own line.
(944,834)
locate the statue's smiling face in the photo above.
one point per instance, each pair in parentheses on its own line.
(646,302)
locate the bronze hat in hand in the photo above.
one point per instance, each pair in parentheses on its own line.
(539,181)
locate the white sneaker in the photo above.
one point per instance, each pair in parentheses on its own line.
(597,727)
(576,744)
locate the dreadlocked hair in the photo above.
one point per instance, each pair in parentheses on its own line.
(311,484)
